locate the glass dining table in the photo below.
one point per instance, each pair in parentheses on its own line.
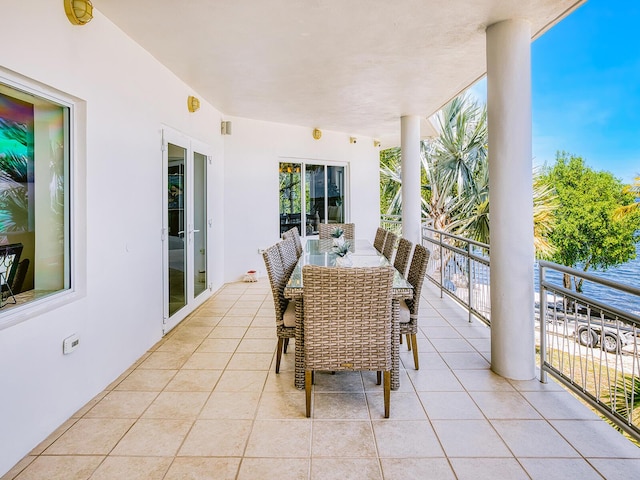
(362,254)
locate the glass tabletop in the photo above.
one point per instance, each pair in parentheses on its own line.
(356,247)
(364,255)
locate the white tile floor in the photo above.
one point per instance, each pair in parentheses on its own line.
(205,403)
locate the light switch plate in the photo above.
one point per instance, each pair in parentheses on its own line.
(69,344)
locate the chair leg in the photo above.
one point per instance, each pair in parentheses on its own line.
(279,353)
(400,339)
(378,377)
(414,342)
(286,344)
(387,392)
(408,341)
(308,380)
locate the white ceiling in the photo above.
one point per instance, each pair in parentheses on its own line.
(354,66)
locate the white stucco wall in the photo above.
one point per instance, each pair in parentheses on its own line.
(117,310)
(252,154)
(123,98)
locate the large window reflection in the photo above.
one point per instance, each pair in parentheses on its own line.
(324,196)
(290,198)
(34,193)
(335,194)
(315,194)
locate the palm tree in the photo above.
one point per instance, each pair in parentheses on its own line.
(391,181)
(457,170)
(545,202)
(455,179)
(623,398)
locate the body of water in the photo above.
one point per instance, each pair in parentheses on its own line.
(627,273)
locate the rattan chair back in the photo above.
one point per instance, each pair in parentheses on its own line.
(276,274)
(295,234)
(289,255)
(325,230)
(378,242)
(389,245)
(403,254)
(347,317)
(278,280)
(415,277)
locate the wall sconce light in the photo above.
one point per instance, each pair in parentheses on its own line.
(353,139)
(317,134)
(376,143)
(193,104)
(79,12)
(225,128)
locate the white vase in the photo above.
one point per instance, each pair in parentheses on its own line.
(344,261)
(338,242)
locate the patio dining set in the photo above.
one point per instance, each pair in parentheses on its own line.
(346,316)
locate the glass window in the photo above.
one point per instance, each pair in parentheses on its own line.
(324,196)
(34,197)
(315,194)
(290,204)
(335,194)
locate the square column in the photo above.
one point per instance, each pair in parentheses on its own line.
(511,197)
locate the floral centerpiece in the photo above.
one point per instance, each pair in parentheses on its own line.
(343,258)
(338,236)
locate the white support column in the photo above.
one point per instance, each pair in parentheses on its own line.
(411,205)
(511,196)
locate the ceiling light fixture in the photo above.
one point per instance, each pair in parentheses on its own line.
(79,12)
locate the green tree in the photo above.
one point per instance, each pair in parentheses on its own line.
(633,189)
(588,233)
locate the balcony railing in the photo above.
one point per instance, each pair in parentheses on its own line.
(588,344)
(591,345)
(392,223)
(460,268)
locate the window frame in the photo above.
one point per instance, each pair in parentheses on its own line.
(303,200)
(75,199)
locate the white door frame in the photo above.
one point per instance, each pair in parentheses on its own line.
(191,146)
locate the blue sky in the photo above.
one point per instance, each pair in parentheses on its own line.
(586,88)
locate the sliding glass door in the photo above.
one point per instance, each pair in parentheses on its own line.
(324,199)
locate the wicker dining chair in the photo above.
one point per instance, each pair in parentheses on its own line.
(293,233)
(389,245)
(289,255)
(325,229)
(409,307)
(381,236)
(403,254)
(347,322)
(285,309)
